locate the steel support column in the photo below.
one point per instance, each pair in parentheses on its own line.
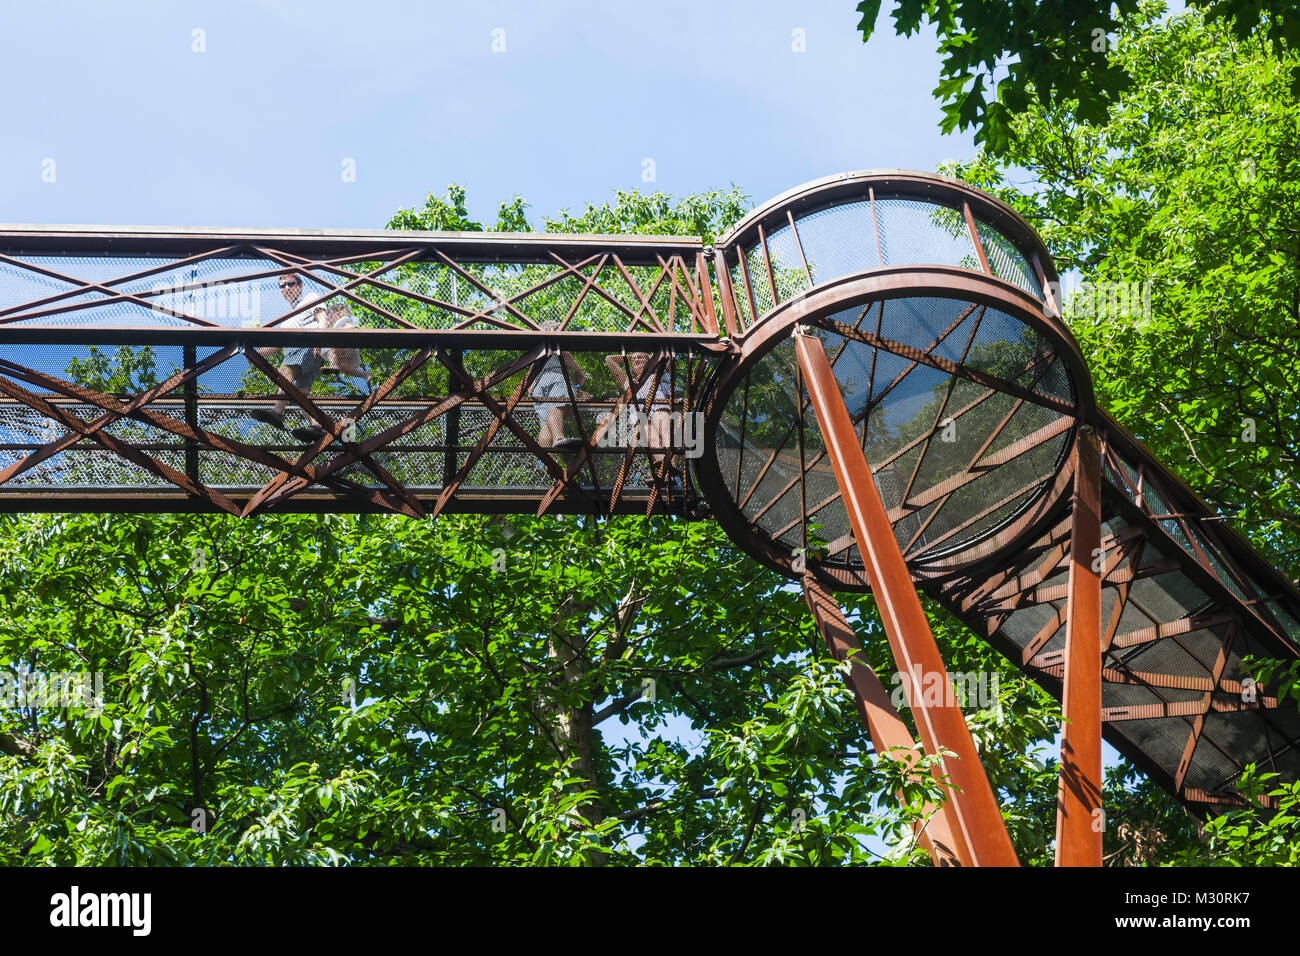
(1079,822)
(941,725)
(938,836)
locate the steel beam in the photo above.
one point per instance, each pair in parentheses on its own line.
(889,735)
(976,812)
(1079,820)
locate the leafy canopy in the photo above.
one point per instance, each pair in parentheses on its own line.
(1052,53)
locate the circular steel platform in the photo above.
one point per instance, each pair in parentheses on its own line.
(965,387)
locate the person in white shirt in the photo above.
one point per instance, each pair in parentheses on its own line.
(660,423)
(300,365)
(549,391)
(345,361)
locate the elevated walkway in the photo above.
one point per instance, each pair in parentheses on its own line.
(653,375)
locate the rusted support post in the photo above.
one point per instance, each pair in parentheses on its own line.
(1079,820)
(939,838)
(941,725)
(725,293)
(191,391)
(450,457)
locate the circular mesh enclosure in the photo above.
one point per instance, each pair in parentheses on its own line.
(964,412)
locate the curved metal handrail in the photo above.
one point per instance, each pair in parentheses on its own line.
(754,277)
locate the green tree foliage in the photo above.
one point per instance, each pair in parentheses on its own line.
(1251,836)
(998,56)
(127,371)
(1191,184)
(320,690)
(1188,183)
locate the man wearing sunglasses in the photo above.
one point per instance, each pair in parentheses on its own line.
(299,365)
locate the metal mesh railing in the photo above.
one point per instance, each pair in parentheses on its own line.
(207,423)
(953,458)
(860,233)
(237,284)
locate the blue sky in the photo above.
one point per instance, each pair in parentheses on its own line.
(254,131)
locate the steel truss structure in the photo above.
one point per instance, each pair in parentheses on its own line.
(867,382)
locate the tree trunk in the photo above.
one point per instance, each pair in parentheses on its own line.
(573,722)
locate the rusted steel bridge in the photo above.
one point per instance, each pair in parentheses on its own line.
(867,382)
